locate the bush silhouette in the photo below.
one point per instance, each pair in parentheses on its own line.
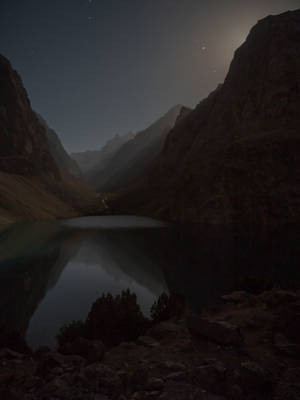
(167,307)
(69,332)
(116,319)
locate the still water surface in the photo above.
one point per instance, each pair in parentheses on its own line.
(52,272)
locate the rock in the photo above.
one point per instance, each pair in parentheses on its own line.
(254,378)
(33,382)
(151,395)
(147,341)
(276,297)
(234,392)
(103,379)
(208,377)
(288,388)
(57,371)
(9,393)
(92,350)
(165,330)
(177,376)
(172,366)
(185,391)
(284,346)
(8,353)
(154,384)
(128,345)
(217,364)
(136,379)
(220,332)
(236,297)
(49,360)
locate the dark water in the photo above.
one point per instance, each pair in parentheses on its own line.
(51,272)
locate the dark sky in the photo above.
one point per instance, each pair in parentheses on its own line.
(94,68)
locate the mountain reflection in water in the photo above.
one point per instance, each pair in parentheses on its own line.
(51,272)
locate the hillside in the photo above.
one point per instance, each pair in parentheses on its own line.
(235,158)
(135,157)
(32,185)
(58,152)
(97,159)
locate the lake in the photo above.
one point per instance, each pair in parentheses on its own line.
(52,272)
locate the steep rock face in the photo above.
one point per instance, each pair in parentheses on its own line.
(236,156)
(24,148)
(62,158)
(135,157)
(32,186)
(98,159)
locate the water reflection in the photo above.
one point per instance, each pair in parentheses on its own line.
(51,272)
(54,273)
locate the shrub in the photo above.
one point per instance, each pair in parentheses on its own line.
(116,319)
(167,307)
(69,332)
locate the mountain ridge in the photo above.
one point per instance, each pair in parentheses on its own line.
(135,156)
(235,157)
(61,157)
(90,159)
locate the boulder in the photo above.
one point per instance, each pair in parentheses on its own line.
(91,350)
(166,330)
(289,385)
(147,341)
(274,298)
(220,332)
(155,384)
(236,297)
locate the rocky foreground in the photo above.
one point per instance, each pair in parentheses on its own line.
(247,347)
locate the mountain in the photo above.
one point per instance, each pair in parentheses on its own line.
(24,147)
(90,159)
(235,157)
(135,157)
(61,157)
(32,186)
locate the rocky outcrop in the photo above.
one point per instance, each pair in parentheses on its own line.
(171,362)
(24,146)
(236,156)
(61,157)
(97,159)
(135,157)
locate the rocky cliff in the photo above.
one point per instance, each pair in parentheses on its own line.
(32,186)
(236,156)
(61,157)
(24,146)
(136,156)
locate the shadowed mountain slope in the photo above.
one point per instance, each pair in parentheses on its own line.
(31,184)
(98,159)
(61,157)
(135,157)
(236,157)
